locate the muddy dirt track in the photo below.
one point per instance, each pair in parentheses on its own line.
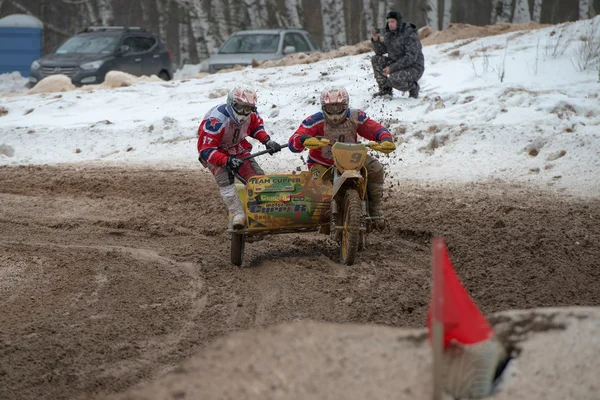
(110,277)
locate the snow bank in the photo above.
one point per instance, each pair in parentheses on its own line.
(53,84)
(117,79)
(556,357)
(457,31)
(12,83)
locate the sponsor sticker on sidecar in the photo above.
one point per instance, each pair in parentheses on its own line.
(275,184)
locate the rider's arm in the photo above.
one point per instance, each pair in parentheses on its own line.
(210,132)
(311,126)
(370,129)
(256,129)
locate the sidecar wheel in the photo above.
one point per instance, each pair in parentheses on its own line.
(351,233)
(238,242)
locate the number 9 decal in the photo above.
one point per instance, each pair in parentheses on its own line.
(356,158)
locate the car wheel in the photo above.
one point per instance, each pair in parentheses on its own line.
(164,75)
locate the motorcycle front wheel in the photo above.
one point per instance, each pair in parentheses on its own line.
(350,236)
(238,242)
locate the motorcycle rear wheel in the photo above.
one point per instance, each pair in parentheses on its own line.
(350,236)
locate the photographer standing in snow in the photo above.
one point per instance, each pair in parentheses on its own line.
(404,64)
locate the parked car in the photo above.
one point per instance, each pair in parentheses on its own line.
(259,44)
(89,55)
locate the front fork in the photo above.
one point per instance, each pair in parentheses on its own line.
(336,229)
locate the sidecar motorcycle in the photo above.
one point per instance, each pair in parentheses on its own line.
(330,200)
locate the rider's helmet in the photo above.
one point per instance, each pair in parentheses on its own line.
(334,103)
(242,102)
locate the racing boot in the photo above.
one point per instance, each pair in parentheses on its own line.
(233,203)
(414,90)
(375,196)
(385,92)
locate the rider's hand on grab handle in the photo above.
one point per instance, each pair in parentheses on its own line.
(304,137)
(234,163)
(272,146)
(313,143)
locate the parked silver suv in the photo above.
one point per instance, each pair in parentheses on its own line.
(259,44)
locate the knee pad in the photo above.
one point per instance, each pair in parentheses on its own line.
(376,172)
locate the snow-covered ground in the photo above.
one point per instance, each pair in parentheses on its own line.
(513,107)
(12,83)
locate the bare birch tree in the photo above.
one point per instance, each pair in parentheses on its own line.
(184,43)
(276,15)
(537,11)
(522,14)
(447,13)
(162,17)
(381,12)
(91,12)
(253,12)
(107,15)
(432,14)
(145,13)
(368,15)
(236,11)
(256,13)
(293,9)
(219,23)
(501,11)
(201,30)
(334,26)
(584,9)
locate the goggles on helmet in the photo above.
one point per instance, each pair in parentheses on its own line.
(243,109)
(335,108)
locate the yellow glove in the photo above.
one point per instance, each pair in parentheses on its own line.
(387,147)
(384,147)
(313,143)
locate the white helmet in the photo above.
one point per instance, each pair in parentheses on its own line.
(242,102)
(334,103)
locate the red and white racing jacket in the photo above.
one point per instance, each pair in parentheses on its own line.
(219,136)
(356,123)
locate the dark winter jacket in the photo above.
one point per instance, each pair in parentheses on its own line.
(402,46)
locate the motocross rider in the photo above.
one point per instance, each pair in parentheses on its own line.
(222,145)
(338,122)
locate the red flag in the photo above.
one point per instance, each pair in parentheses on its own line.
(461,318)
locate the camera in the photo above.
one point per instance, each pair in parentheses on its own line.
(376,30)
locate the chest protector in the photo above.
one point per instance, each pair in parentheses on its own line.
(344,132)
(234,136)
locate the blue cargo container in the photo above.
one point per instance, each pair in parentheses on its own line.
(20,43)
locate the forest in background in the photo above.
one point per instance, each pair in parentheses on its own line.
(192,29)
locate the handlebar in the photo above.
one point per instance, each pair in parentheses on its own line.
(260,153)
(323,142)
(234,173)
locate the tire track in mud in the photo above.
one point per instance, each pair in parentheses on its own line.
(150,349)
(109,277)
